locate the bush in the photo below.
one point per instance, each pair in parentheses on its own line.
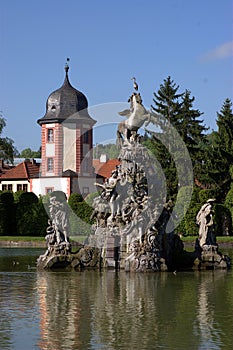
(80,216)
(204,195)
(188,226)
(222,220)
(7,214)
(229,202)
(27,220)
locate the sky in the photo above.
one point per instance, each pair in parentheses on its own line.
(108,42)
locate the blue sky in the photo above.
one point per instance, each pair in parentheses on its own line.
(108,42)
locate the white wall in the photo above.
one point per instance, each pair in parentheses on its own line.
(57,183)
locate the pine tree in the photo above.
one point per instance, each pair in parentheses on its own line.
(220,150)
(166,114)
(192,130)
(167,103)
(225,127)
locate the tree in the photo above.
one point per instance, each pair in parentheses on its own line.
(110,150)
(225,127)
(7,149)
(166,103)
(219,153)
(28,153)
(165,112)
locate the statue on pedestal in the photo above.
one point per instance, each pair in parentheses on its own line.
(205,220)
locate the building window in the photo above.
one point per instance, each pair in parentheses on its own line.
(25,187)
(50,164)
(19,187)
(85,137)
(49,190)
(4,187)
(10,187)
(50,135)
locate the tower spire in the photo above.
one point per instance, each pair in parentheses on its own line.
(67,65)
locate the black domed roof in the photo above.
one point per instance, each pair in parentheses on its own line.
(64,103)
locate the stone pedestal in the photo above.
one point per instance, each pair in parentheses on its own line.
(209,258)
(60,256)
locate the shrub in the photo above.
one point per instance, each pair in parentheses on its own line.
(7,214)
(27,220)
(222,220)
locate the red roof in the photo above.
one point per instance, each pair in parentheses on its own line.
(25,170)
(4,168)
(105,169)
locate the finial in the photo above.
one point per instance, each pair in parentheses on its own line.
(67,65)
(135,85)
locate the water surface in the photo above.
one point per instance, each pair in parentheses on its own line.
(109,310)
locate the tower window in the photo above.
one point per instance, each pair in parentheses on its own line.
(50,135)
(50,164)
(85,137)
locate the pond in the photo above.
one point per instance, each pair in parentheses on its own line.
(112,310)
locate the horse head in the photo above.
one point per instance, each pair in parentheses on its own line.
(135,98)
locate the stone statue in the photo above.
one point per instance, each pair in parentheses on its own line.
(136,116)
(206,224)
(59,217)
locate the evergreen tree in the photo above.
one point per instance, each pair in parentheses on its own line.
(165,112)
(220,150)
(166,103)
(192,131)
(225,127)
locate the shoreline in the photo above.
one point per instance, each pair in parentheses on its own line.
(22,244)
(42,244)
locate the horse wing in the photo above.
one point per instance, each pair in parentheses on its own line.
(126,112)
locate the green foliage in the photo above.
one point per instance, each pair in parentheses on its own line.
(27,220)
(7,214)
(223,220)
(90,198)
(80,218)
(7,149)
(110,150)
(229,201)
(74,200)
(188,226)
(206,194)
(28,153)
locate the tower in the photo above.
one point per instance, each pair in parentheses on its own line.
(66,141)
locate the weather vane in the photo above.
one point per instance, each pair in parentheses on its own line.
(67,64)
(135,85)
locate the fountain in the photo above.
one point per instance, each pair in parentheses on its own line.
(134,225)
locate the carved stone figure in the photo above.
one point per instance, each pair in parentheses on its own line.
(60,221)
(206,224)
(136,117)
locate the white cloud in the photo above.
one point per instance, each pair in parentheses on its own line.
(220,52)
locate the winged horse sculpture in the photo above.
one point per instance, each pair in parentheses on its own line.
(137,115)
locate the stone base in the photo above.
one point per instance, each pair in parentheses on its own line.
(209,258)
(57,258)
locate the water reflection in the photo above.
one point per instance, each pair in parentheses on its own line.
(60,315)
(92,310)
(108,310)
